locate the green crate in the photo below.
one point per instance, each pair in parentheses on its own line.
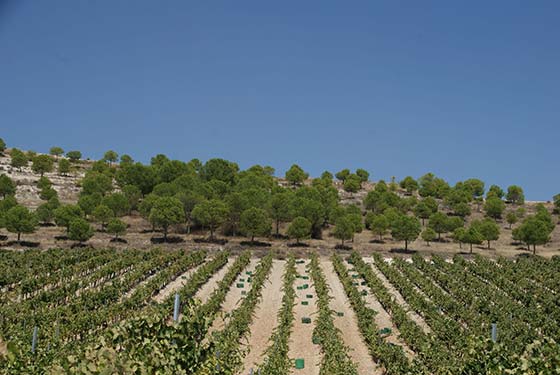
(306,320)
(309,296)
(300,363)
(355,283)
(242,280)
(363,283)
(305,286)
(243,293)
(385,331)
(305,303)
(249,273)
(299,287)
(315,340)
(240,285)
(364,292)
(339,313)
(355,276)
(305,277)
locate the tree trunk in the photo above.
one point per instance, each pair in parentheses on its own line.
(405,245)
(439,236)
(18,236)
(534,249)
(423,221)
(471,248)
(277,227)
(252,239)
(460,245)
(488,244)
(211,233)
(165,233)
(381,237)
(342,242)
(427,243)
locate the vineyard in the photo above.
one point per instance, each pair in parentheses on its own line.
(106,311)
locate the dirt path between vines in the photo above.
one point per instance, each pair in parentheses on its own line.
(175,285)
(207,289)
(301,344)
(3,348)
(348,324)
(413,315)
(265,318)
(382,318)
(233,297)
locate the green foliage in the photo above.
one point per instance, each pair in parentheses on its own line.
(219,169)
(255,222)
(475,187)
(19,159)
(137,174)
(344,228)
(63,215)
(117,227)
(429,235)
(462,209)
(111,156)
(118,203)
(439,222)
(362,174)
(494,207)
(488,228)
(210,214)
(96,182)
(296,175)
(280,208)
(2,146)
(511,218)
(80,230)
(300,228)
(19,219)
(7,186)
(352,183)
(409,184)
(495,192)
(56,151)
(126,159)
(102,214)
(133,196)
(432,186)
(405,228)
(165,212)
(379,225)
(343,174)
(472,236)
(74,155)
(533,231)
(63,166)
(45,212)
(88,202)
(515,195)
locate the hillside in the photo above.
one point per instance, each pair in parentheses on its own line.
(139,230)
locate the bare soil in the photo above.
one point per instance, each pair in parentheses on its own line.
(301,344)
(383,319)
(264,320)
(348,324)
(207,289)
(233,298)
(413,315)
(174,285)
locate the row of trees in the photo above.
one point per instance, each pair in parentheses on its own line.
(217,195)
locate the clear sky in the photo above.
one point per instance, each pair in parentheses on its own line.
(460,88)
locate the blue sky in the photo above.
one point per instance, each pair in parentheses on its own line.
(462,89)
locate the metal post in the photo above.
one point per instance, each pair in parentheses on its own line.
(176,308)
(34,340)
(494,332)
